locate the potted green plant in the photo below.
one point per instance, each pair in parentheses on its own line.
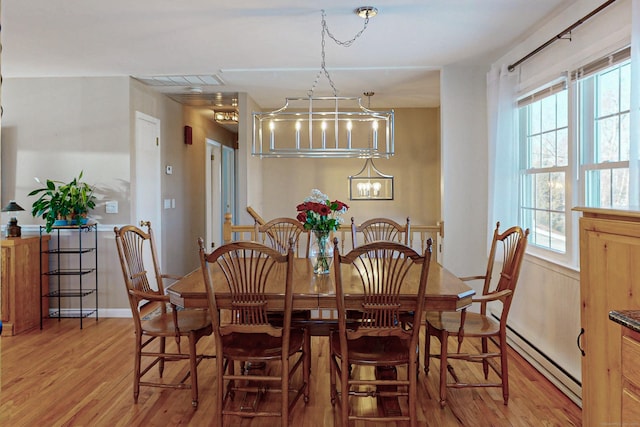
(58,203)
(81,198)
(53,205)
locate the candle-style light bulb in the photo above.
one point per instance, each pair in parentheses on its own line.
(349,128)
(324,134)
(298,127)
(272,138)
(374,125)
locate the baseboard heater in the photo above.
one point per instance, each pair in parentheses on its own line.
(567,383)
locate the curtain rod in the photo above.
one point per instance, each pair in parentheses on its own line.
(561,34)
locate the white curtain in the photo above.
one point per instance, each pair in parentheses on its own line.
(634,143)
(503,148)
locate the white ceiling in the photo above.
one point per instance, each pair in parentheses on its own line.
(269,49)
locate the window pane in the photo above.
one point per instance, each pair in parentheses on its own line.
(624,136)
(548,106)
(608,188)
(541,228)
(557,237)
(625,87)
(528,191)
(620,187)
(607,96)
(534,120)
(548,150)
(607,140)
(563,110)
(557,196)
(542,191)
(534,152)
(562,144)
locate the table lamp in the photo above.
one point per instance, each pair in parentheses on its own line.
(13,229)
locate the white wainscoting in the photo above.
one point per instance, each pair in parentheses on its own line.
(544,323)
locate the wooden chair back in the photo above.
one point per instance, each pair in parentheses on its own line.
(511,246)
(279,232)
(145,288)
(380,229)
(247,267)
(382,267)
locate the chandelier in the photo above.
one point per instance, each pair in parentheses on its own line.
(229,117)
(370,184)
(325,126)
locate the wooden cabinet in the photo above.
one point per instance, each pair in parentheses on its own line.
(630,376)
(20,283)
(609,280)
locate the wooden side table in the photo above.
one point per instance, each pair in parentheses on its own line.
(20,291)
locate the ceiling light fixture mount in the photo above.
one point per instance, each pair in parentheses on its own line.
(366,12)
(325,126)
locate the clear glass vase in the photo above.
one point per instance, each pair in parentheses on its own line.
(321,252)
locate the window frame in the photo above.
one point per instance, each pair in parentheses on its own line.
(568,257)
(581,134)
(588,135)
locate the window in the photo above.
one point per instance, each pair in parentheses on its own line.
(604,136)
(545,169)
(564,130)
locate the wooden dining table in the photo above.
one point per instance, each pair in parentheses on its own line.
(445,291)
(316,292)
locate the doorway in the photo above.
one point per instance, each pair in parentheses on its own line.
(220,189)
(146,194)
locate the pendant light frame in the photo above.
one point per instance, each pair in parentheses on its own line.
(366,185)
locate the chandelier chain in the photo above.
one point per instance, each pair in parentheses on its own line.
(347,43)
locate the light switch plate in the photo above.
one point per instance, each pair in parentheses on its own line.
(111,206)
(169,169)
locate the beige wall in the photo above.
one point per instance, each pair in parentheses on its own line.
(56,127)
(415,167)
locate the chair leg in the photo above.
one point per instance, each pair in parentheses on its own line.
(427,348)
(344,387)
(306,364)
(284,409)
(136,368)
(504,368)
(162,350)
(444,338)
(332,373)
(220,397)
(413,379)
(485,362)
(193,360)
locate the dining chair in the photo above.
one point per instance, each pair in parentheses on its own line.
(154,317)
(277,233)
(243,333)
(380,229)
(378,340)
(489,323)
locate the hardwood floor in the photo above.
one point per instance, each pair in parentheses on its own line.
(64,376)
